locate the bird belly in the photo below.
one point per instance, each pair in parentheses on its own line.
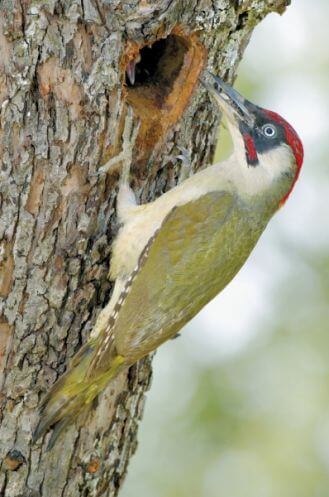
(180,285)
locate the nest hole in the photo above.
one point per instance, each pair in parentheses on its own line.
(166,74)
(160,64)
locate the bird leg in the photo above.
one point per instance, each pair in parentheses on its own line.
(185,171)
(129,136)
(126,197)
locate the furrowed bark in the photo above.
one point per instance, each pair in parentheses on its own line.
(62,99)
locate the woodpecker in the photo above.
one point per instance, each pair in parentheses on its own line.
(173,255)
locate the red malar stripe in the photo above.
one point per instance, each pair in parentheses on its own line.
(250,148)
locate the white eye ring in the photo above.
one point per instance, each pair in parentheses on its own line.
(269,130)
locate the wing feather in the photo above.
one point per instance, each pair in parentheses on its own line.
(174,277)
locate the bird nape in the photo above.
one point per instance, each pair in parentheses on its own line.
(173,255)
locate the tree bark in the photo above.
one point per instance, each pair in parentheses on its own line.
(62,99)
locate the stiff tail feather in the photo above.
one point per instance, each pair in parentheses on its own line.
(72,394)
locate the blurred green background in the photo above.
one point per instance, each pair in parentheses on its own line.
(239,405)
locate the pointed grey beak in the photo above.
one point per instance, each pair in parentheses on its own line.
(230,101)
(130,71)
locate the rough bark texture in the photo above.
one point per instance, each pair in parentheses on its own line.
(62,97)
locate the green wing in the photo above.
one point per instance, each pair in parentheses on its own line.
(175,278)
(198,249)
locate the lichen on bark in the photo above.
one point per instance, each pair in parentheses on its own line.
(62,98)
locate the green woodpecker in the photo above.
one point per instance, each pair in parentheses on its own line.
(175,254)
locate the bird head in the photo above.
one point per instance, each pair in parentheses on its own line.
(263,141)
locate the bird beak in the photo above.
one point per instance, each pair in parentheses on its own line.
(131,68)
(131,72)
(230,101)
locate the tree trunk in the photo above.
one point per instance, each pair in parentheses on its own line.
(62,99)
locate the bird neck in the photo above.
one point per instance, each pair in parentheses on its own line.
(265,183)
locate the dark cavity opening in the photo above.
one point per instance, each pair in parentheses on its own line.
(160,63)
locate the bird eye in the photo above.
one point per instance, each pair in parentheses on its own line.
(269,130)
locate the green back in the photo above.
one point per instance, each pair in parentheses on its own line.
(198,249)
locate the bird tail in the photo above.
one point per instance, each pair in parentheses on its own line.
(72,394)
